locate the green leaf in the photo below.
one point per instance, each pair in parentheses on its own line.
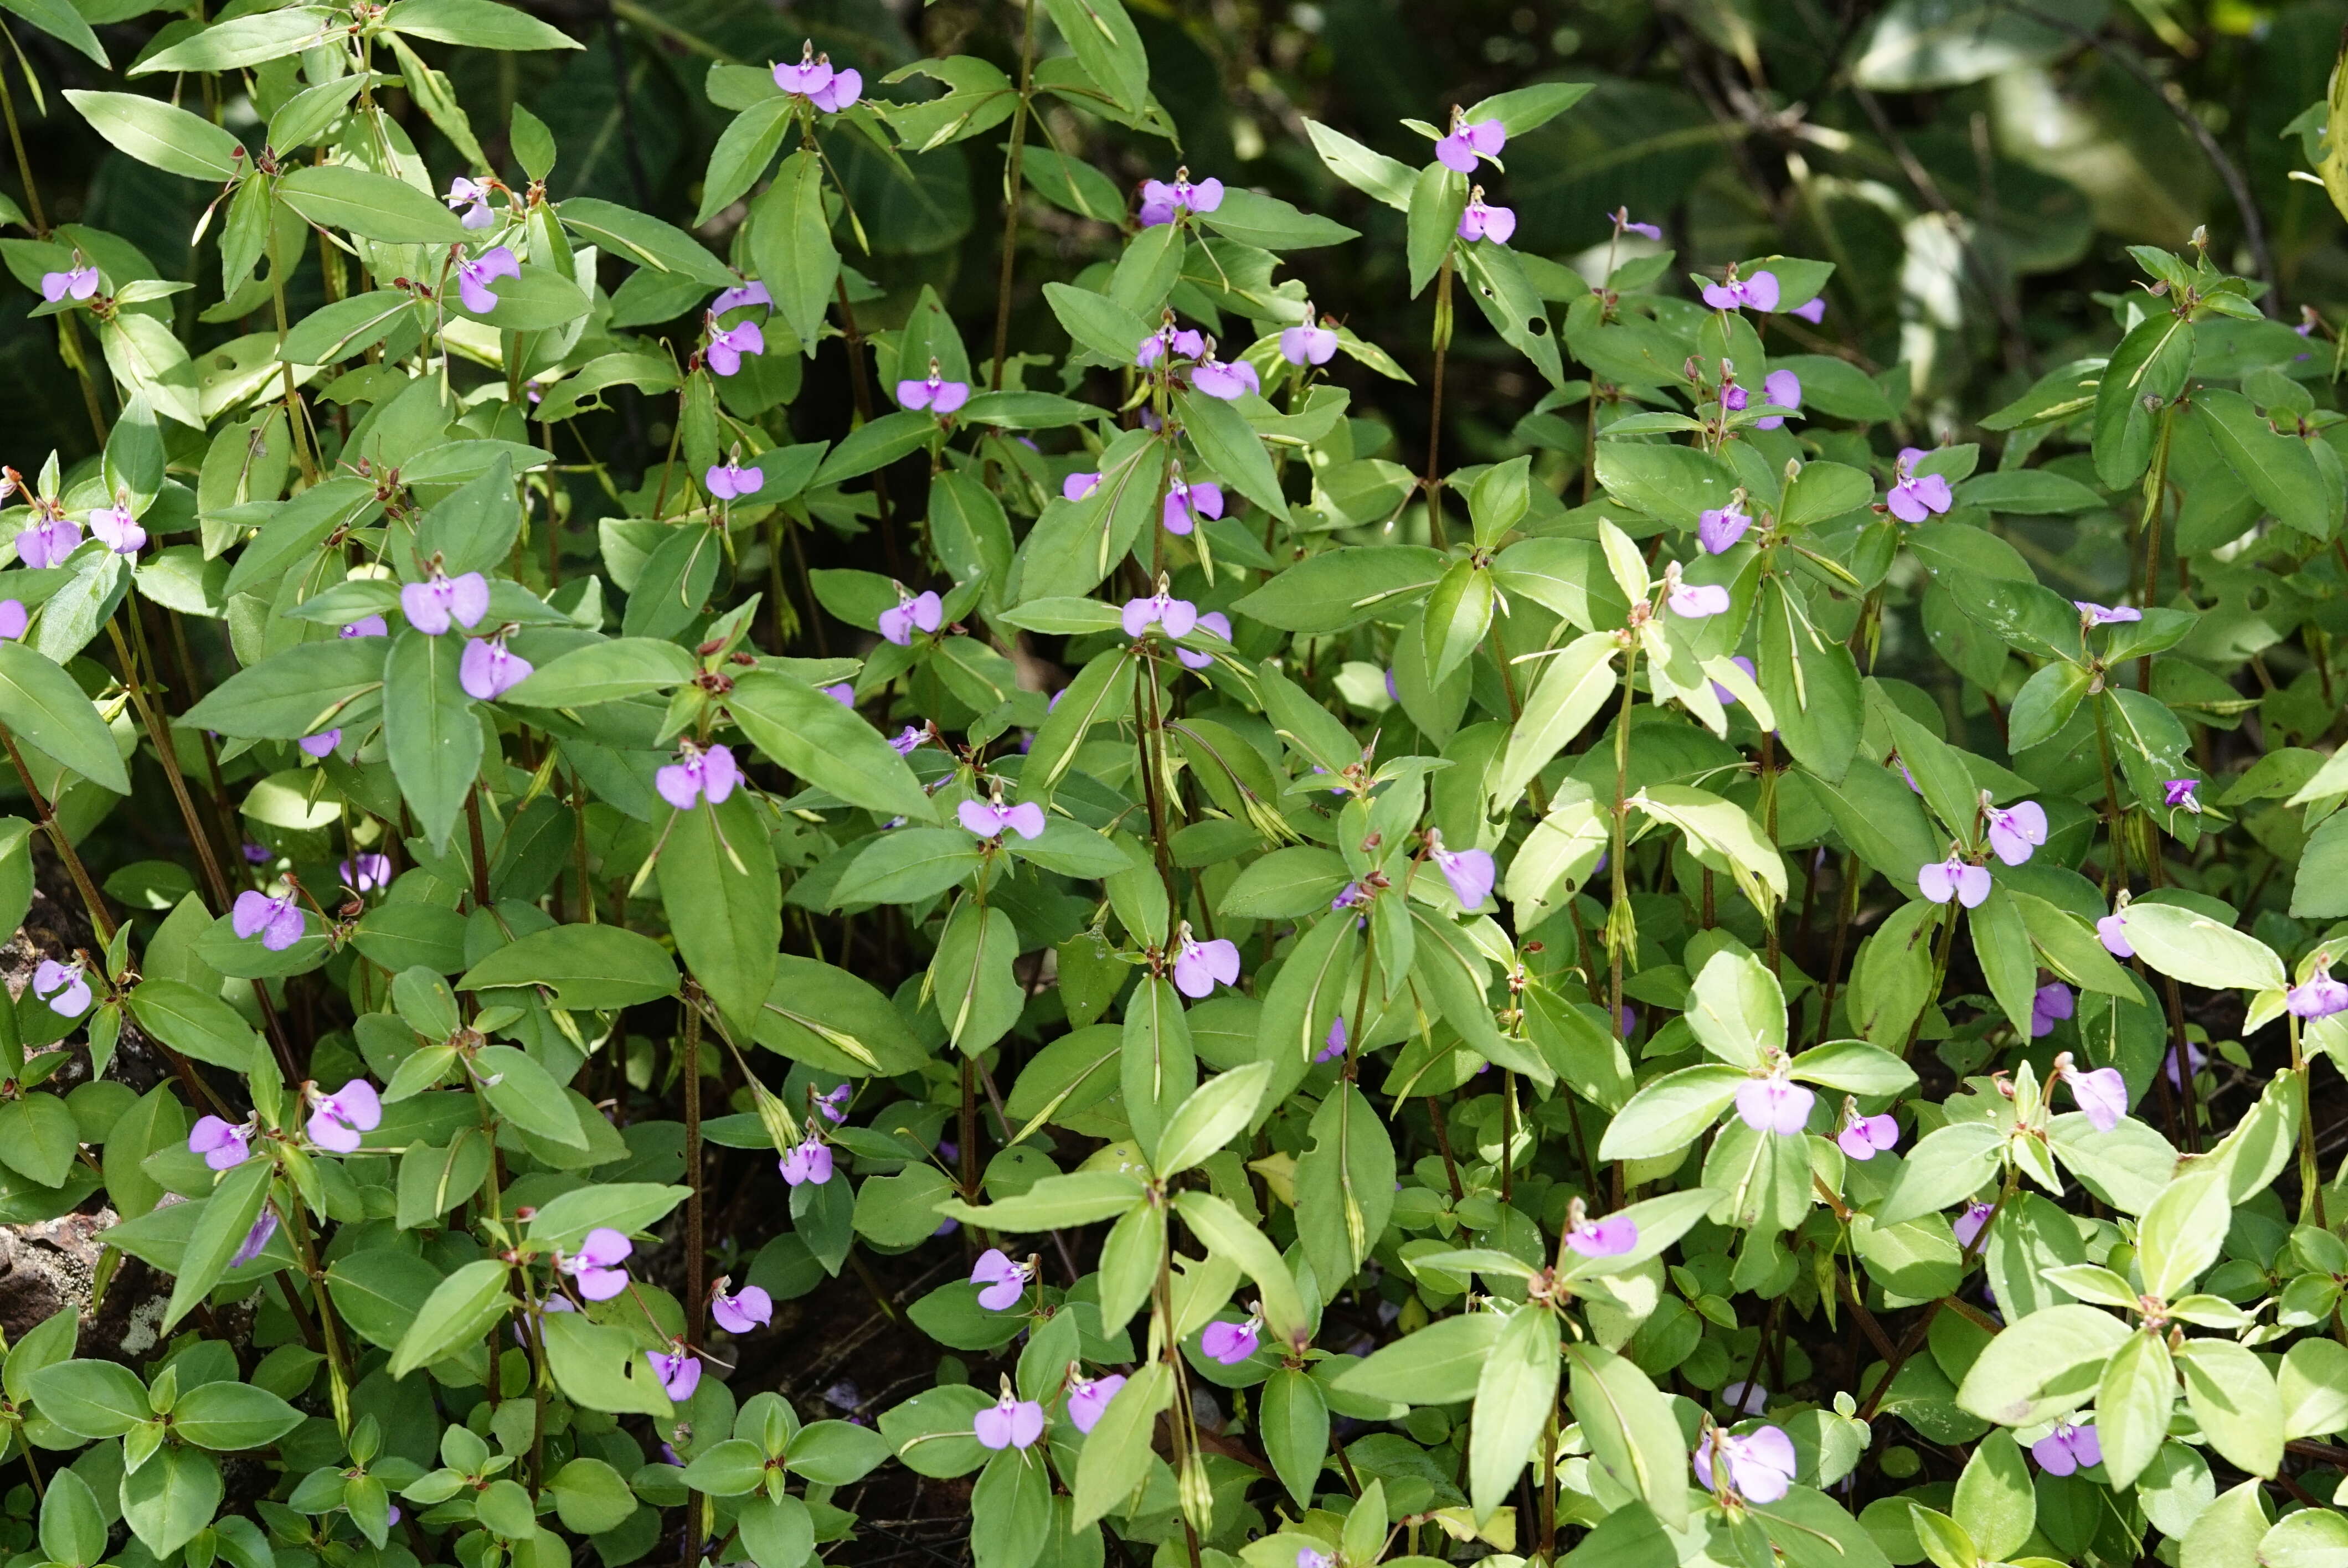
(1437,196)
(196,1025)
(828,745)
(791,244)
(1293,1421)
(2145,373)
(1436,1365)
(369,205)
(1344,1185)
(526,1094)
(60,21)
(478,23)
(155,132)
(2132,1406)
(452,1315)
(1670,1114)
(1672,483)
(1097,322)
(73,1526)
(243,41)
(229,1415)
(346,327)
(777,1531)
(43,705)
(1516,1394)
(1117,1452)
(91,1399)
(39,1138)
(978,995)
(429,732)
(2189,945)
(745,148)
(2046,1364)
(2234,1400)
(1367,171)
(227,1220)
(1630,1429)
(589,968)
(1994,1503)
(602,1368)
(1231,448)
(1103,38)
(725,903)
(1221,1231)
(168,1500)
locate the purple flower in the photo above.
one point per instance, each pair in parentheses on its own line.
(366,873)
(2112,931)
(1773,1105)
(840,692)
(278,922)
(1088,1399)
(752,1309)
(2067,1448)
(2320,996)
(2194,1053)
(922,611)
(2050,1006)
(750,293)
(1479,220)
(1214,620)
(728,345)
(1308,1558)
(432,604)
(1025,819)
(1225,379)
(1010,1422)
(596,1265)
(1310,343)
(2179,792)
(699,772)
(2102,1095)
(1746,1398)
(834,1105)
(1783,389)
(1466,143)
(937,395)
(474,198)
(814,79)
(1161,201)
(78,282)
(1187,504)
(1470,872)
(367,626)
(1815,312)
(1199,965)
(1953,878)
(1915,498)
(1335,1045)
(1864,1137)
(1620,218)
(1076,487)
(809,1162)
(488,669)
(1005,1280)
(1175,617)
(337,1120)
(1728,698)
(118,531)
(1968,1224)
(1392,695)
(1185,343)
(678,1369)
(14,618)
(47,542)
(224,1144)
(255,1239)
(474,278)
(1759,291)
(1760,1467)
(321,744)
(1230,1343)
(1718,531)
(1694,602)
(729,481)
(2016,830)
(63,986)
(909,740)
(2104,614)
(1610,1237)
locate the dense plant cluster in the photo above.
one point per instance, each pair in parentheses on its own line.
(1340,1011)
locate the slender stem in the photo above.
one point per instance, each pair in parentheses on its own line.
(481,849)
(2155,487)
(98,918)
(1847,909)
(1621,899)
(24,163)
(2115,874)
(1433,483)
(1014,171)
(860,385)
(1443,1141)
(293,417)
(338,1370)
(1941,947)
(696,1298)
(2311,1175)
